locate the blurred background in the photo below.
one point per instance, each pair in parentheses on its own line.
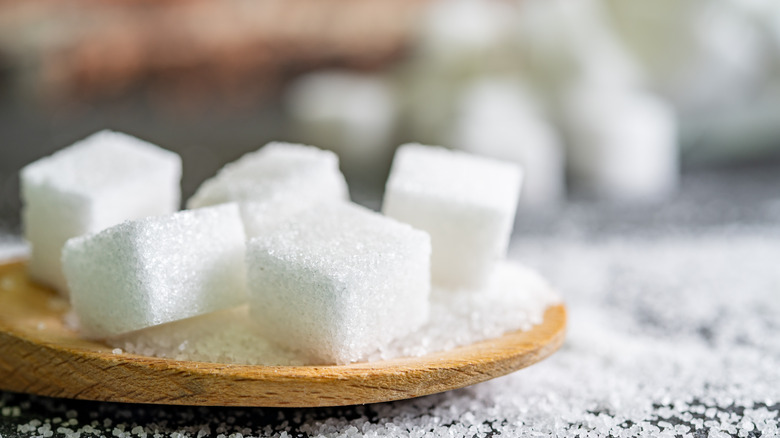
(615,103)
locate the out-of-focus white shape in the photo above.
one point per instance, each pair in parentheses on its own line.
(771,19)
(497,118)
(700,54)
(13,247)
(455,42)
(450,28)
(622,143)
(349,113)
(564,40)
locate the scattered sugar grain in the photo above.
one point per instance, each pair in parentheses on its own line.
(116,351)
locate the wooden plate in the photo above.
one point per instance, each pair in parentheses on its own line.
(38,355)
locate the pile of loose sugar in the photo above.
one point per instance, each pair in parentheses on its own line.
(669,336)
(515,300)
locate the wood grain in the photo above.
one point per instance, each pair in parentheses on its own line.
(39,355)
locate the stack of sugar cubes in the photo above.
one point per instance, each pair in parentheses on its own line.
(275,229)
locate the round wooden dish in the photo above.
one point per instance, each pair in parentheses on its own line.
(38,355)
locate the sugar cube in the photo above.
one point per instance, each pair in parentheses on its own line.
(277,170)
(97,182)
(623,143)
(338,281)
(155,270)
(467,204)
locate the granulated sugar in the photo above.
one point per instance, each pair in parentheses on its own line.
(670,334)
(674,336)
(515,300)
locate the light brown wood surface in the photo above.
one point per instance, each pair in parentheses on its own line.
(39,355)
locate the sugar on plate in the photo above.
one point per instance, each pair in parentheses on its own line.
(465,202)
(155,270)
(93,184)
(277,170)
(338,280)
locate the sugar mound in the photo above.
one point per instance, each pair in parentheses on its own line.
(155,270)
(516,298)
(338,280)
(465,202)
(277,170)
(107,178)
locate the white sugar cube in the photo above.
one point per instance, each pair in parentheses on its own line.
(277,170)
(155,270)
(623,144)
(100,181)
(467,204)
(339,281)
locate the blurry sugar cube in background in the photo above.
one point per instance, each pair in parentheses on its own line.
(622,143)
(353,114)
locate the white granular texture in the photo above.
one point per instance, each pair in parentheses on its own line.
(465,202)
(156,270)
(260,216)
(98,182)
(516,299)
(277,170)
(338,280)
(669,336)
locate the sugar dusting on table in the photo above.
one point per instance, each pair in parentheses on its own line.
(515,300)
